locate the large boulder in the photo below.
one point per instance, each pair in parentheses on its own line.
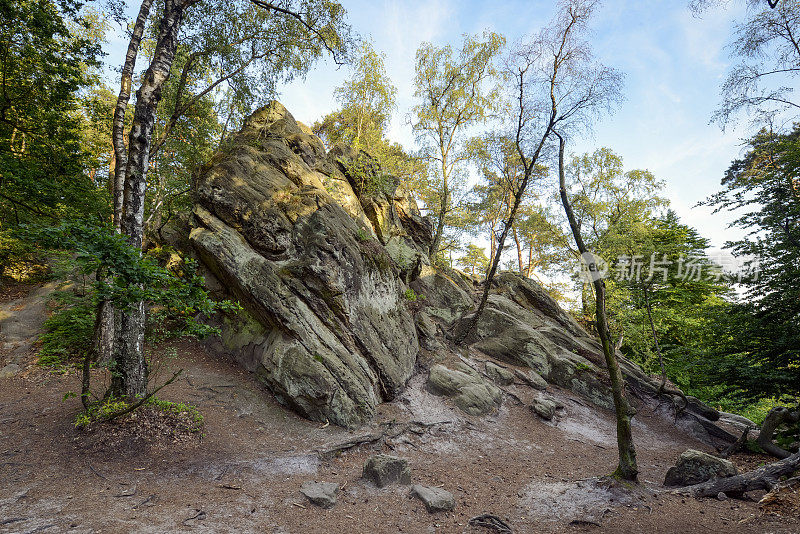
(469,390)
(326,327)
(694,467)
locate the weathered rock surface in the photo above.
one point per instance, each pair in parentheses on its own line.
(469,390)
(694,467)
(523,325)
(323,250)
(320,493)
(447,295)
(435,499)
(500,375)
(544,408)
(426,331)
(383,470)
(532,378)
(10,370)
(326,328)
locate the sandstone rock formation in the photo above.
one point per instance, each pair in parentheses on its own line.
(326,326)
(328,256)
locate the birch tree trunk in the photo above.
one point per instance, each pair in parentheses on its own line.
(129,366)
(108,317)
(519,250)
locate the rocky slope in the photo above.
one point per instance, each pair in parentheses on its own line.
(327,256)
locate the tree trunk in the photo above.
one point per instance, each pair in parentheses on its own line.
(519,251)
(437,237)
(655,339)
(129,367)
(108,317)
(529,270)
(627,468)
(118,124)
(763,478)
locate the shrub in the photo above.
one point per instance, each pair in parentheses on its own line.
(367,177)
(69,329)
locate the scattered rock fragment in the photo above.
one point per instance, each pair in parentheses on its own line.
(694,467)
(500,375)
(383,470)
(320,493)
(544,408)
(435,499)
(469,390)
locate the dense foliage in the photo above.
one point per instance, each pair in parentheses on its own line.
(732,341)
(757,351)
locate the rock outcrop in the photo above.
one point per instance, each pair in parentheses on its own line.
(328,257)
(326,326)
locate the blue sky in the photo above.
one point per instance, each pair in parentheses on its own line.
(673,61)
(674,64)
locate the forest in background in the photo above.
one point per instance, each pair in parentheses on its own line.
(731,339)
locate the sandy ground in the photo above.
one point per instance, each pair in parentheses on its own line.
(244,473)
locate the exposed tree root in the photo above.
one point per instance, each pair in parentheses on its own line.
(491,522)
(763,478)
(737,445)
(776,417)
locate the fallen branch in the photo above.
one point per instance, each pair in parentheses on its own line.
(763,478)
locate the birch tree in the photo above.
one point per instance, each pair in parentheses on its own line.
(320,21)
(559,89)
(455,93)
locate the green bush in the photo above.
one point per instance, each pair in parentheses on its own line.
(69,329)
(410,295)
(367,177)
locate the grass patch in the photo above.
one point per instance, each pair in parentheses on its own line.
(182,416)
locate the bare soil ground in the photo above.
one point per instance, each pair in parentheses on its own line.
(243,474)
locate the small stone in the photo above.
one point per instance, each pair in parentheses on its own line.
(721,496)
(544,408)
(532,378)
(435,499)
(500,375)
(383,469)
(10,370)
(320,493)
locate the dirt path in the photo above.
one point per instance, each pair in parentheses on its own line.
(21,319)
(245,473)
